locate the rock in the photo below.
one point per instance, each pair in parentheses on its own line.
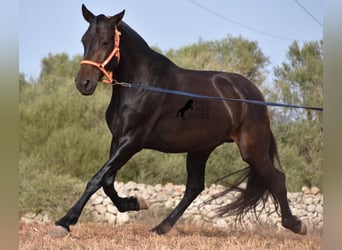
(196,218)
(97,200)
(141,186)
(211,214)
(308,200)
(122,218)
(221,223)
(30,215)
(107,201)
(150,190)
(309,207)
(110,218)
(314,190)
(39,217)
(27,220)
(111,209)
(101,209)
(316,220)
(95,215)
(319,209)
(169,188)
(101,193)
(131,185)
(162,197)
(169,203)
(158,188)
(179,190)
(305,190)
(46,219)
(301,213)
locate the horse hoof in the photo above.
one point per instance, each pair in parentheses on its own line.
(303,229)
(58,232)
(161,229)
(295,225)
(142,204)
(156,231)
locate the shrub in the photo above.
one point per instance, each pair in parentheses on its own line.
(44,191)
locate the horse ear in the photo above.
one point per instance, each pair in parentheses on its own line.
(118,17)
(88,16)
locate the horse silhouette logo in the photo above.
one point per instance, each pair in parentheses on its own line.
(188,105)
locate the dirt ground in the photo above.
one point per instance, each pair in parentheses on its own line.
(138,236)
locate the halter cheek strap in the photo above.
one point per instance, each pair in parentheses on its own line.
(115,53)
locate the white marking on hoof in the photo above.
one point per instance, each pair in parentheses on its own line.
(58,232)
(142,204)
(303,230)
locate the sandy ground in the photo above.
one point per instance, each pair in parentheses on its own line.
(138,236)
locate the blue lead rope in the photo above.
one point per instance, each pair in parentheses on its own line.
(189,94)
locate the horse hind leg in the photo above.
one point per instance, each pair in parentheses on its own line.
(195,165)
(265,179)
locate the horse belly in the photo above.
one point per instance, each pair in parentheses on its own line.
(189,134)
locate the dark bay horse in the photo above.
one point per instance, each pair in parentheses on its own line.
(140,119)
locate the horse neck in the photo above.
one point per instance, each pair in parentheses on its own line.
(139,63)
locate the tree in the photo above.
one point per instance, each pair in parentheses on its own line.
(228,54)
(60,65)
(300,80)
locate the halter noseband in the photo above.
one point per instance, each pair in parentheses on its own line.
(115,53)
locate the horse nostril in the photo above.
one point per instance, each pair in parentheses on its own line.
(85,83)
(85,86)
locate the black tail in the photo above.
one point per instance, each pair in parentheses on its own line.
(256,192)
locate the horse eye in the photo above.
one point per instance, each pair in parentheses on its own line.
(105,44)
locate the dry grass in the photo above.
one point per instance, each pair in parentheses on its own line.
(186,237)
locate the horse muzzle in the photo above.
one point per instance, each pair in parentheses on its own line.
(85,86)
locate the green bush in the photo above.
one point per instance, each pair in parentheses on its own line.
(75,151)
(224,160)
(152,167)
(44,191)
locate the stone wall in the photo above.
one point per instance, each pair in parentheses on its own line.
(307,205)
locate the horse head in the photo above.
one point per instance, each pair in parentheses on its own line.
(101,50)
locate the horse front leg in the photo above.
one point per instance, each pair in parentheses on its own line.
(122,154)
(122,204)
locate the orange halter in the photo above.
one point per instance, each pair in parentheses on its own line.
(115,53)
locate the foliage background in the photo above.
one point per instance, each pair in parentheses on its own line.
(64,139)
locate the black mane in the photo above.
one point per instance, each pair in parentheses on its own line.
(130,34)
